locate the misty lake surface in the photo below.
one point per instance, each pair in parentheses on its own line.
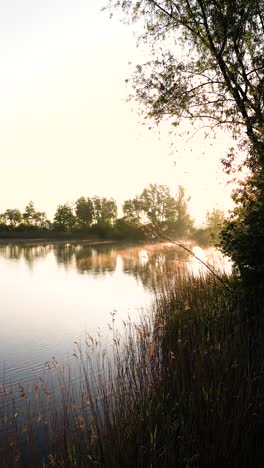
(52,294)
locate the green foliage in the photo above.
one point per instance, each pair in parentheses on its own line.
(214,223)
(84,210)
(208,66)
(153,213)
(125,230)
(12,217)
(29,214)
(105,210)
(183,224)
(158,207)
(207,61)
(64,218)
(243,235)
(33,218)
(30,220)
(159,212)
(132,211)
(41,220)
(201,237)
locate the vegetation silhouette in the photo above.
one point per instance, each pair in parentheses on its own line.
(206,67)
(147,216)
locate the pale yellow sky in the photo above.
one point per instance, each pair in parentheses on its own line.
(66,128)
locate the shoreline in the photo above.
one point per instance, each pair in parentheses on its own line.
(45,240)
(30,242)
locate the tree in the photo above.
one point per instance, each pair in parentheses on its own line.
(127,230)
(214,223)
(105,210)
(29,214)
(242,237)
(208,66)
(40,220)
(64,219)
(84,210)
(12,217)
(132,211)
(32,217)
(158,206)
(218,77)
(159,211)
(183,223)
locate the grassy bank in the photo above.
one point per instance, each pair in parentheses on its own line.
(184,388)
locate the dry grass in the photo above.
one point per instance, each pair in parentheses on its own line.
(182,388)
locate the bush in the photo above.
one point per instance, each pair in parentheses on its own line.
(123,230)
(201,237)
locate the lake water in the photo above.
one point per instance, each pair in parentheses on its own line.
(50,295)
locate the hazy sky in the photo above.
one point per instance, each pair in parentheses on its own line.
(66,128)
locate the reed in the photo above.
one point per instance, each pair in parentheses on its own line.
(183,387)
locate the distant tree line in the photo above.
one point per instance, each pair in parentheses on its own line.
(153,213)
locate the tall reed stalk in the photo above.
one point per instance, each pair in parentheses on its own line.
(182,388)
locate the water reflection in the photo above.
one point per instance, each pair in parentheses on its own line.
(149,264)
(51,294)
(28,253)
(65,254)
(96,260)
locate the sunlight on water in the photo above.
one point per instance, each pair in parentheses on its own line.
(211,257)
(52,294)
